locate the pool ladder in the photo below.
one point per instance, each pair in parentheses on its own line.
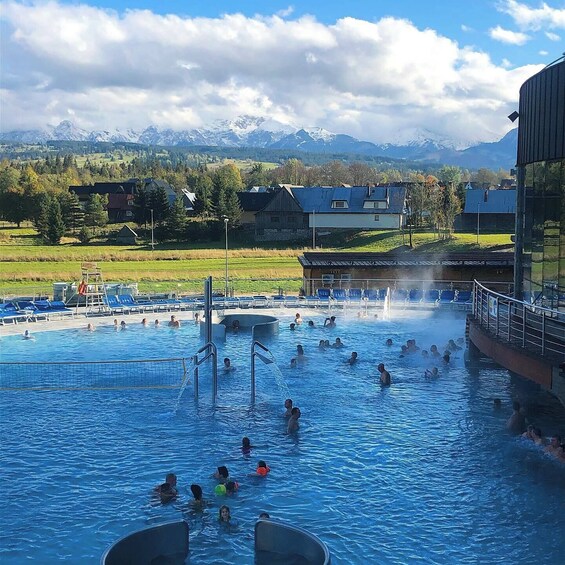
(211,351)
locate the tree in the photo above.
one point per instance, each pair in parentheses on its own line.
(71,210)
(159,202)
(227,182)
(257,176)
(141,206)
(485,177)
(451,207)
(55,225)
(175,223)
(95,216)
(203,187)
(449,174)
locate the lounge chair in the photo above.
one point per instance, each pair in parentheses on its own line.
(463,297)
(371,295)
(399,295)
(355,294)
(128,301)
(415,296)
(446,296)
(340,294)
(115,306)
(431,296)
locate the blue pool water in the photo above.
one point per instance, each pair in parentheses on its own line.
(420,472)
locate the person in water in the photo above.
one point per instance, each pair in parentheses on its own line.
(516,424)
(235,326)
(300,357)
(246,446)
(353,359)
(90,327)
(385,375)
(156,323)
(288,408)
(330,322)
(293,424)
(388,342)
(144,322)
(222,474)
(224,514)
(293,363)
(198,501)
(227,365)
(262,469)
(292,326)
(123,325)
(297,319)
(430,373)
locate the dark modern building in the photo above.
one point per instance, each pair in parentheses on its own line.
(540,205)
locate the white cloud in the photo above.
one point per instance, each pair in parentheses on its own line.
(286,12)
(373,80)
(506,36)
(466,28)
(543,53)
(533,18)
(552,36)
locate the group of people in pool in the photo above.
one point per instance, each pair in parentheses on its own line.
(518,425)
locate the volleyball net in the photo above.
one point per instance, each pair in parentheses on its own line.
(96,375)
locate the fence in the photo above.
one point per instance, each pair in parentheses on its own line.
(537,329)
(95,375)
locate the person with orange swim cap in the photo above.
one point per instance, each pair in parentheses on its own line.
(262,468)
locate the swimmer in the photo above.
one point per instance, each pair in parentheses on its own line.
(293,363)
(227,365)
(166,493)
(293,424)
(173,322)
(338,343)
(554,447)
(262,469)
(434,352)
(300,357)
(235,326)
(297,319)
(224,514)
(123,325)
(264,516)
(90,328)
(231,487)
(27,335)
(196,318)
(517,422)
(497,403)
(116,324)
(292,326)
(425,353)
(452,346)
(385,375)
(198,501)
(156,323)
(537,437)
(388,342)
(246,446)
(446,359)
(288,408)
(330,322)
(327,343)
(322,345)
(433,372)
(353,359)
(144,322)
(222,474)
(311,324)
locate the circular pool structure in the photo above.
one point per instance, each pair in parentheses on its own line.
(423,470)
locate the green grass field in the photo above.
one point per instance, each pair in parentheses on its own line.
(27,267)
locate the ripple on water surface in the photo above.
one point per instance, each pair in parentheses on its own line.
(421,471)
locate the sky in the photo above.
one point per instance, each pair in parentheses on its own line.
(386,71)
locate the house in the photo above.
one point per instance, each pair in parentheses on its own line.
(251,202)
(121,195)
(293,212)
(490,210)
(126,236)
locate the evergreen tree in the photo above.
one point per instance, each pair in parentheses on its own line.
(257,176)
(141,206)
(71,210)
(451,207)
(176,221)
(41,217)
(55,225)
(159,202)
(203,188)
(95,216)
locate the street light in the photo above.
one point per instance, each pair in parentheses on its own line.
(152,238)
(478,220)
(226,220)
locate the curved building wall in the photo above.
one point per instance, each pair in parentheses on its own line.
(540,213)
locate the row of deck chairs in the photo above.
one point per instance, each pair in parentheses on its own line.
(397,295)
(126,303)
(32,310)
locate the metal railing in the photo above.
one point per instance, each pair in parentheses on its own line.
(257,344)
(211,351)
(539,330)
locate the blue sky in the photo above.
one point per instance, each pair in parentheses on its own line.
(377,70)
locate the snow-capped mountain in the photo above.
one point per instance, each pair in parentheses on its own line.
(253,131)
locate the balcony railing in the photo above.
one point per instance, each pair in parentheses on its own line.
(536,329)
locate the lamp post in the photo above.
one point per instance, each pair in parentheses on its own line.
(478,220)
(226,220)
(314,230)
(152,237)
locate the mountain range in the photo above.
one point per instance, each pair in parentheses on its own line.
(252,131)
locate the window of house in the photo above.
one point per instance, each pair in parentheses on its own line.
(381,204)
(275,219)
(376,217)
(369,204)
(339,204)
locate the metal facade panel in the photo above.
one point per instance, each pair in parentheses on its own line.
(541,135)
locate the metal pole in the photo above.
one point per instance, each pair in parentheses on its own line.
(523,325)
(208,309)
(226,220)
(152,238)
(542,333)
(478,220)
(314,229)
(253,373)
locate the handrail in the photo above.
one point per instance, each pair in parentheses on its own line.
(534,328)
(212,351)
(253,355)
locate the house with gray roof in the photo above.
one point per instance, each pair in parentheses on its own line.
(294,212)
(492,210)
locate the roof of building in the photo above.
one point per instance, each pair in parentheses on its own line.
(319,199)
(360,259)
(490,201)
(126,231)
(124,187)
(254,201)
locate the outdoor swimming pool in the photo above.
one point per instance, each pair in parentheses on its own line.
(421,472)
